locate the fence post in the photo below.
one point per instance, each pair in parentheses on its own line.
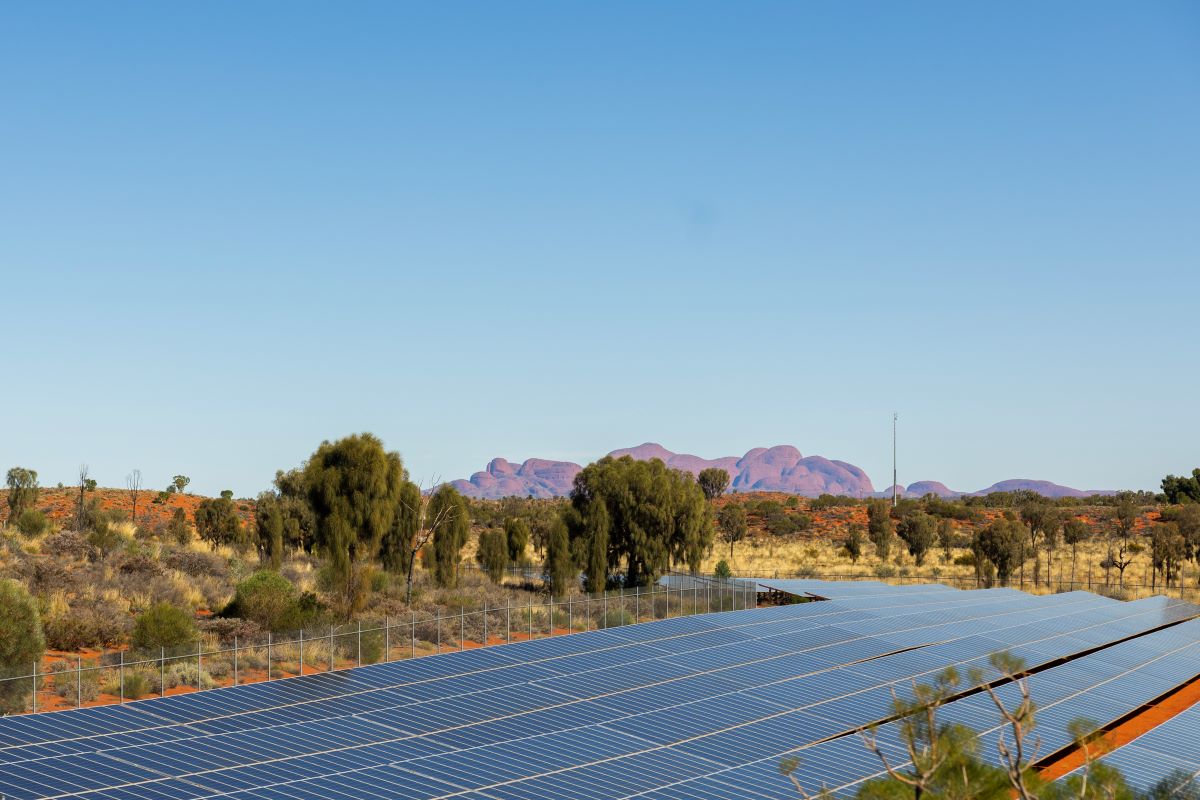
(268,655)
(439,627)
(162,671)
(359,659)
(637,604)
(122,676)
(412,640)
(485,635)
(571,614)
(462,626)
(387,640)
(606,608)
(531,617)
(550,615)
(199,656)
(235,661)
(508,621)
(35,687)
(78,681)
(331,648)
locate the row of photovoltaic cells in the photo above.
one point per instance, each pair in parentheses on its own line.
(1167,750)
(508,734)
(1103,685)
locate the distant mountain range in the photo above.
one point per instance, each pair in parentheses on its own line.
(764,469)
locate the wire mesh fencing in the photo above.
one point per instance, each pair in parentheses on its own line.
(60,682)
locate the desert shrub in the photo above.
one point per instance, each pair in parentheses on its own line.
(139,563)
(183,673)
(965,560)
(722,571)
(23,642)
(268,599)
(617,617)
(49,575)
(379,581)
(137,684)
(825,501)
(885,571)
(67,545)
(94,625)
(32,522)
(806,571)
(163,625)
(231,629)
(196,564)
(492,554)
(66,683)
(792,501)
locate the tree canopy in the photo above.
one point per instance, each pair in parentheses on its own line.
(657,517)
(713,482)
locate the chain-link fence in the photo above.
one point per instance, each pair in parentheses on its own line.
(120,676)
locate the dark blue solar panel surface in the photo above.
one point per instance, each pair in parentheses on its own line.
(696,706)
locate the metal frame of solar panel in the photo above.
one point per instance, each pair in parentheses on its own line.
(608,713)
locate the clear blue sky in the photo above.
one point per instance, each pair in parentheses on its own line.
(231,230)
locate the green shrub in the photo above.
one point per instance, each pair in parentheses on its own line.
(617,617)
(137,684)
(22,643)
(885,571)
(722,571)
(268,599)
(32,522)
(164,626)
(90,626)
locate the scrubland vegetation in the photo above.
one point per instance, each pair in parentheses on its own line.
(347,537)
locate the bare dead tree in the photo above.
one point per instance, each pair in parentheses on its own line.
(83,485)
(1015,755)
(133,482)
(426,528)
(927,753)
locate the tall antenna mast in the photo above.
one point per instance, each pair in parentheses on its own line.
(895,491)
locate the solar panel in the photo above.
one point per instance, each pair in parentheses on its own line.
(609,713)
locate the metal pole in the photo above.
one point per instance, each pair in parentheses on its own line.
(35,687)
(268,655)
(485,636)
(637,604)
(508,622)
(302,651)
(606,608)
(162,671)
(571,614)
(331,648)
(462,626)
(530,617)
(199,654)
(78,680)
(439,627)
(359,643)
(235,661)
(412,640)
(387,640)
(122,676)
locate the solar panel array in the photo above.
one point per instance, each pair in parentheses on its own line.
(1169,750)
(700,706)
